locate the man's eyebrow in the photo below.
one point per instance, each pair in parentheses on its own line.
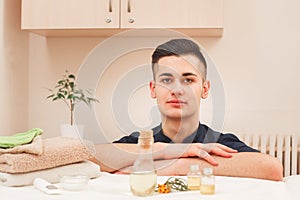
(184,74)
(165,74)
(189,74)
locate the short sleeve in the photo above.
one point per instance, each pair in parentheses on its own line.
(233,142)
(132,138)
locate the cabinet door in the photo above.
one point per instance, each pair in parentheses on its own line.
(70,14)
(171,13)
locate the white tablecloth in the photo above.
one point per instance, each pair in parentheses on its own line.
(110,187)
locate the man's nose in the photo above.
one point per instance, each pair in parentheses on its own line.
(177,89)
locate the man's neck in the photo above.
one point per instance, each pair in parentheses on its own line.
(178,129)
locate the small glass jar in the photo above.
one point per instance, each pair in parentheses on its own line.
(194,177)
(207,182)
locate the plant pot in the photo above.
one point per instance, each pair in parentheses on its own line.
(68,130)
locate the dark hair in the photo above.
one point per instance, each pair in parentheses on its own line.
(178,47)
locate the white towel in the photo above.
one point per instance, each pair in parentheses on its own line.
(52,175)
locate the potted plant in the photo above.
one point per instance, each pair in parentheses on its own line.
(67,91)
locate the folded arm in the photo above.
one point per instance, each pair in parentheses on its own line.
(112,157)
(175,159)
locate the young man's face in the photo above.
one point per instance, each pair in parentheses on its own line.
(179,86)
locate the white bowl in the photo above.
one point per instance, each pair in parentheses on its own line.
(78,182)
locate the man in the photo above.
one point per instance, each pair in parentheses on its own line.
(179,83)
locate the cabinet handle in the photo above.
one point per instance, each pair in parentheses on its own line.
(131,20)
(109,6)
(129,6)
(108,20)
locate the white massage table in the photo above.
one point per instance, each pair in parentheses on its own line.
(110,187)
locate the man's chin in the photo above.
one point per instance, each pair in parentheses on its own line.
(175,116)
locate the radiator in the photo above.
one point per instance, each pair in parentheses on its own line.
(284,147)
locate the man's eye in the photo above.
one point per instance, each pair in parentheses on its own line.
(166,80)
(188,80)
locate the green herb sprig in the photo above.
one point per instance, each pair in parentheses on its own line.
(173,183)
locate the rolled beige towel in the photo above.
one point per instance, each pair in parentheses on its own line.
(57,151)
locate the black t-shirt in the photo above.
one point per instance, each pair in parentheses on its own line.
(204,134)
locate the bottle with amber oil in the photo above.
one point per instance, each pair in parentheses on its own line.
(207,185)
(143,175)
(194,178)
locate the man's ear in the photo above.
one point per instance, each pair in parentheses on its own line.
(205,89)
(152,89)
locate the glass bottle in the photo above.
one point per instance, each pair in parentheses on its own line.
(194,178)
(207,182)
(143,175)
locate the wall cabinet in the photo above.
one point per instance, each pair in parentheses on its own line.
(102,17)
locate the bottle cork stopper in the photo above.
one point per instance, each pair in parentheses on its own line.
(146,138)
(146,134)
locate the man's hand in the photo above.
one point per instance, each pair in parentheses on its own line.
(215,149)
(203,151)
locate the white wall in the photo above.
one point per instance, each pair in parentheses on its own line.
(256,58)
(13,70)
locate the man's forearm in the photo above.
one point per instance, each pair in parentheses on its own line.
(112,157)
(246,164)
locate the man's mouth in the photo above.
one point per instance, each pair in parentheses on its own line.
(176,102)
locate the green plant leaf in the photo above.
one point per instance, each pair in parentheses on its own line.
(71,96)
(72,76)
(50,96)
(55,98)
(60,82)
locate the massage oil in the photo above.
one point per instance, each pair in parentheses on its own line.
(207,182)
(194,178)
(143,175)
(142,183)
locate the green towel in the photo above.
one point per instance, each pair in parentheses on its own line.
(19,138)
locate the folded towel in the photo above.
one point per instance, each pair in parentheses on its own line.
(19,138)
(52,175)
(56,152)
(35,147)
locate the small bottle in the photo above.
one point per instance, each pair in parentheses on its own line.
(143,175)
(194,178)
(207,182)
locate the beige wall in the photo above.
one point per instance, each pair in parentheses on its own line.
(49,58)
(13,70)
(256,58)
